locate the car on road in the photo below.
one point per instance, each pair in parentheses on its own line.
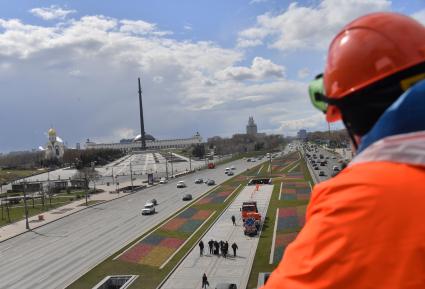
(233,168)
(248,160)
(316,168)
(181,184)
(227,170)
(226,286)
(149,209)
(335,168)
(199,181)
(322,174)
(187,197)
(230,173)
(210,182)
(163,181)
(253,160)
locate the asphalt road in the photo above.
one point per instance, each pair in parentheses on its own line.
(55,255)
(332,159)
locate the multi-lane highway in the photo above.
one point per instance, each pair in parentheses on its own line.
(332,159)
(55,255)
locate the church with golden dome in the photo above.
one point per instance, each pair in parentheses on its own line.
(54,148)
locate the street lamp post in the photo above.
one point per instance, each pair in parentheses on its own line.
(190,163)
(270,162)
(27,225)
(166,168)
(171,160)
(131,174)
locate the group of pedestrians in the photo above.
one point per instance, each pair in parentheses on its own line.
(218,248)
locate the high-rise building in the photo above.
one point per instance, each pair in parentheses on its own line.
(302,134)
(251,128)
(78,146)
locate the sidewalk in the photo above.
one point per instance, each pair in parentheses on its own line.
(17,228)
(218,269)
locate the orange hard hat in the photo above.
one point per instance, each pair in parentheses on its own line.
(368,50)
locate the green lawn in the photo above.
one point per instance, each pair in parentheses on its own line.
(17,212)
(153,276)
(7,176)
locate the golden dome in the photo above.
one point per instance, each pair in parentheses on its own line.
(52,132)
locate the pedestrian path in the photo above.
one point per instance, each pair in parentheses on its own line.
(19,227)
(219,269)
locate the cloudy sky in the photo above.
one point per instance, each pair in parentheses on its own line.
(205,65)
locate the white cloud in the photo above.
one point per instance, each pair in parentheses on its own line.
(141,27)
(187,27)
(260,69)
(83,78)
(420,16)
(52,12)
(303,72)
(307,27)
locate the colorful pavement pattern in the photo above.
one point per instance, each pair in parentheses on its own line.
(155,249)
(295,191)
(290,220)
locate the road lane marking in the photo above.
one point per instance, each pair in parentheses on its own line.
(274,237)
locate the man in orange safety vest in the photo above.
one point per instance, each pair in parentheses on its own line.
(365,228)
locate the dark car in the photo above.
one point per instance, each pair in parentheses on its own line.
(187,197)
(199,181)
(210,182)
(316,168)
(226,286)
(322,173)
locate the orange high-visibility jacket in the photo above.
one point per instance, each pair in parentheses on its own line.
(365,228)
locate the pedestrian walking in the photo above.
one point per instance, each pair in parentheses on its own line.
(234,247)
(210,245)
(226,249)
(201,248)
(205,282)
(233,220)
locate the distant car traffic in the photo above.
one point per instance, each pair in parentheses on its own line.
(322,174)
(335,168)
(187,197)
(210,182)
(199,181)
(181,184)
(149,209)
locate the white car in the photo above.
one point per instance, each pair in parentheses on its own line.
(163,181)
(232,168)
(149,209)
(181,184)
(227,170)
